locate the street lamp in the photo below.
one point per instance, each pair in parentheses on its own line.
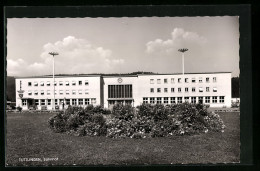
(53,71)
(182,51)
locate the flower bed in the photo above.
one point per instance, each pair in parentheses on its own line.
(144,121)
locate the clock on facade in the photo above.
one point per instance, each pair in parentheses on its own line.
(120,80)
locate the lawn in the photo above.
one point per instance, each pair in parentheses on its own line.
(28,136)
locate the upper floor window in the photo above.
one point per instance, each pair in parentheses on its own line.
(165,81)
(152,90)
(179,89)
(200,89)
(193,80)
(73,83)
(172,80)
(73,92)
(48,92)
(172,90)
(42,83)
(80,91)
(36,92)
(179,80)
(86,82)
(186,89)
(42,92)
(200,79)
(48,83)
(159,90)
(86,91)
(207,89)
(193,89)
(67,83)
(80,82)
(29,93)
(67,92)
(158,81)
(165,90)
(55,83)
(29,83)
(186,80)
(60,83)
(214,79)
(207,79)
(215,89)
(35,83)
(61,92)
(151,81)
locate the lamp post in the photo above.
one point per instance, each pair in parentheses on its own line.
(182,51)
(53,71)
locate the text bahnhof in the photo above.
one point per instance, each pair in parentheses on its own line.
(81,90)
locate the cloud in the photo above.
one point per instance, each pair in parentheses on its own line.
(75,56)
(179,38)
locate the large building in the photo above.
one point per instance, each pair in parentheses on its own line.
(213,89)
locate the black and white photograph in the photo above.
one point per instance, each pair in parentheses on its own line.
(122,91)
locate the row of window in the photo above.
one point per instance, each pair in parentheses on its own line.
(186,89)
(61,83)
(43,102)
(186,80)
(173,100)
(61,92)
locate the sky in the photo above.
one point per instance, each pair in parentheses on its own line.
(122,45)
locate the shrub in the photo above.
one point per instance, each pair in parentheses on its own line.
(19,109)
(125,112)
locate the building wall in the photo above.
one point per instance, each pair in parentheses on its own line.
(88,91)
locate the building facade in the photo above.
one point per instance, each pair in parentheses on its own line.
(213,89)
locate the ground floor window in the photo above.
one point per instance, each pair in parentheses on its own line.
(36,102)
(42,102)
(165,100)
(193,99)
(145,100)
(86,101)
(56,101)
(74,101)
(179,99)
(200,99)
(207,99)
(80,101)
(49,102)
(152,100)
(221,99)
(173,100)
(24,102)
(159,100)
(93,101)
(61,101)
(214,99)
(186,99)
(67,101)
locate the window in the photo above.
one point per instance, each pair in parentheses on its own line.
(55,83)
(73,92)
(73,83)
(67,92)
(214,79)
(186,99)
(86,91)
(29,93)
(214,89)
(86,101)
(93,101)
(36,102)
(60,83)
(61,92)
(48,92)
(29,83)
(48,83)
(42,102)
(214,99)
(193,89)
(74,101)
(165,100)
(35,83)
(49,102)
(80,83)
(172,80)
(200,89)
(86,82)
(172,90)
(200,80)
(186,89)
(207,99)
(165,81)
(145,100)
(36,92)
(193,80)
(179,89)
(207,79)
(42,92)
(67,83)
(173,100)
(151,81)
(165,90)
(221,99)
(186,80)
(152,100)
(200,99)
(179,80)
(179,99)
(42,83)
(55,92)
(158,100)
(152,90)
(158,90)
(24,102)
(80,101)
(193,100)
(61,101)
(56,101)
(207,89)
(67,101)
(158,81)
(80,91)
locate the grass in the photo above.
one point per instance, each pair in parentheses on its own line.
(28,136)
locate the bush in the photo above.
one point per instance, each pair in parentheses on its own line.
(19,109)
(125,112)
